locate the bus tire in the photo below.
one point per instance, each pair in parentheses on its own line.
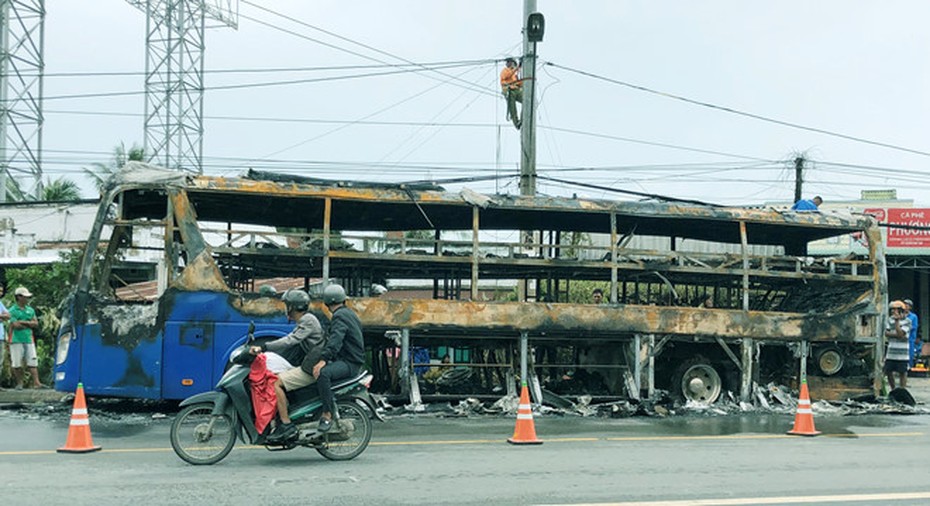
(697,380)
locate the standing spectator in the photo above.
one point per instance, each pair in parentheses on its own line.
(808,205)
(23,323)
(597,296)
(4,316)
(897,329)
(912,340)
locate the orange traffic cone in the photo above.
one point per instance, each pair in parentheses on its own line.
(525,431)
(804,419)
(79,440)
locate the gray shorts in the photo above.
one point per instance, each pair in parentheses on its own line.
(23,352)
(295,378)
(899,366)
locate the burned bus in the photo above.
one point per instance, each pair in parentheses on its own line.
(488,276)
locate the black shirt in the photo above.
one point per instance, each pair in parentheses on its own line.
(345,342)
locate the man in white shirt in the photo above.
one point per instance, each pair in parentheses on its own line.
(898,356)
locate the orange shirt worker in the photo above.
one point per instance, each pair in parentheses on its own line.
(512,88)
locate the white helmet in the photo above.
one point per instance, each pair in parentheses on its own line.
(296,300)
(334,294)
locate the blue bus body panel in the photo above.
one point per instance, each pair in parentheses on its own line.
(200,332)
(115,370)
(183,353)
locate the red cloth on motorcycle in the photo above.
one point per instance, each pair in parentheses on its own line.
(264,400)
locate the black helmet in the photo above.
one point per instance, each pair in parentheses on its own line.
(334,294)
(296,300)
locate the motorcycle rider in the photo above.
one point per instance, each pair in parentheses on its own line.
(343,354)
(302,346)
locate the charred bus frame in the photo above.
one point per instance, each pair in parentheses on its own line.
(775,300)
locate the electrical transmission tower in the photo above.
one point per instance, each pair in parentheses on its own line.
(174,46)
(22,65)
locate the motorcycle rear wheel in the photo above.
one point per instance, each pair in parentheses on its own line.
(198,441)
(350,436)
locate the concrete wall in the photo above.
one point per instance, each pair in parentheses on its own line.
(42,229)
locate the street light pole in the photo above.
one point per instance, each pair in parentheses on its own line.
(533,27)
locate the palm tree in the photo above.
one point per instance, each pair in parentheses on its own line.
(60,190)
(100,172)
(14,192)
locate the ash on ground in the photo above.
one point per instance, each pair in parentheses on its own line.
(770,399)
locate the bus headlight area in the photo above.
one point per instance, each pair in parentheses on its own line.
(64,341)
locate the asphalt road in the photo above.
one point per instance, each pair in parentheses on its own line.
(419,460)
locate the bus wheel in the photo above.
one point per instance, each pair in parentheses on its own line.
(696,380)
(830,361)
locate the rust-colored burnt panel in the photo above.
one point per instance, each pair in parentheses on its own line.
(201,274)
(186,219)
(305,190)
(261,306)
(602,320)
(538,203)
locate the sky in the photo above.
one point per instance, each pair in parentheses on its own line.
(854,68)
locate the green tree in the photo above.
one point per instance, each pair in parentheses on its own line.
(60,190)
(100,172)
(49,284)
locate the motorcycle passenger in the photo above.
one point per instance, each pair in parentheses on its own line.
(343,354)
(302,346)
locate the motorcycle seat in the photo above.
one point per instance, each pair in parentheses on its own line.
(312,392)
(348,381)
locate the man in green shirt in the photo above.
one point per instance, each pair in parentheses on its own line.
(22,344)
(4,317)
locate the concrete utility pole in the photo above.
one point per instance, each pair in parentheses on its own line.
(528,129)
(533,27)
(798,177)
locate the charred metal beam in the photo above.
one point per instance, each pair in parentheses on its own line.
(729,353)
(602,321)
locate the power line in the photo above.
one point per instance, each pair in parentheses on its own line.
(271,70)
(290,120)
(627,192)
(891,171)
(467,84)
(371,115)
(740,113)
(257,85)
(650,143)
(435,132)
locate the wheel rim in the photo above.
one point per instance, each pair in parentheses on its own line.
(701,384)
(830,362)
(350,435)
(199,437)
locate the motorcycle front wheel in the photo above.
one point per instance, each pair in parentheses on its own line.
(200,438)
(350,435)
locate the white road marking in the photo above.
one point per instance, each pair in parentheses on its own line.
(739,501)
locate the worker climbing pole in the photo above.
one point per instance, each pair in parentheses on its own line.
(512,88)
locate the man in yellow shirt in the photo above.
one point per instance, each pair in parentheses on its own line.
(512,88)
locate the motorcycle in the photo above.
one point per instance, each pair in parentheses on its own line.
(205,430)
